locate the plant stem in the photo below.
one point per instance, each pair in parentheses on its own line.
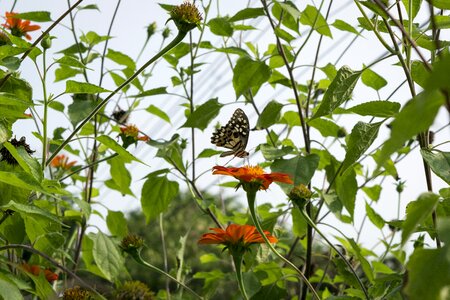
(251,198)
(237,259)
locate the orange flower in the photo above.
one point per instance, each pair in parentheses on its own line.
(253,174)
(133,132)
(18,26)
(36,270)
(61,161)
(236,236)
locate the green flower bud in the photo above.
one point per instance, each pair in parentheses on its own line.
(166,33)
(151,29)
(46,42)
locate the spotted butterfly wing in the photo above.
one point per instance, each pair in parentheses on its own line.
(234,135)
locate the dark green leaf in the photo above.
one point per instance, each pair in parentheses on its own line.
(287,13)
(299,225)
(121,178)
(360,139)
(428,274)
(157,193)
(442,4)
(152,92)
(203,114)
(375,218)
(208,153)
(117,223)
(121,59)
(416,213)
(74,87)
(300,168)
(80,109)
(113,145)
(270,115)
(339,91)
(375,9)
(249,74)
(442,22)
(325,127)
(382,109)
(362,260)
(89,6)
(11,62)
(247,13)
(415,7)
(346,189)
(344,26)
(372,79)
(440,77)
(419,73)
(170,150)
(416,116)
(31,210)
(70,61)
(158,112)
(65,72)
(439,162)
(312,17)
(37,16)
(270,152)
(107,256)
(284,35)
(221,27)
(8,290)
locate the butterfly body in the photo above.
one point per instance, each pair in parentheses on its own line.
(234,135)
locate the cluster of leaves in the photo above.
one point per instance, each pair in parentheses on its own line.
(48,204)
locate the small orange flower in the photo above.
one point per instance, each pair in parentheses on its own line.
(251,174)
(18,26)
(36,270)
(62,161)
(236,236)
(133,131)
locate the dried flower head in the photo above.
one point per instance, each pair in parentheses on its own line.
(77,293)
(186,16)
(6,156)
(134,290)
(132,243)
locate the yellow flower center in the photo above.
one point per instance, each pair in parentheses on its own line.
(254,170)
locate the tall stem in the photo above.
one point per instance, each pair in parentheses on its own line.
(237,259)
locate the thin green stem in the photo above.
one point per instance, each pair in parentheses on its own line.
(45,118)
(251,198)
(164,250)
(237,259)
(172,44)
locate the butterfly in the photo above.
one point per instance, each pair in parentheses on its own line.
(234,135)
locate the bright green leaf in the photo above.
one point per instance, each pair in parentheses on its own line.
(121,178)
(300,168)
(247,13)
(203,114)
(249,74)
(8,290)
(221,27)
(381,109)
(113,145)
(270,152)
(208,153)
(372,79)
(312,17)
(270,115)
(442,4)
(152,92)
(107,256)
(325,127)
(121,59)
(37,16)
(415,7)
(117,223)
(375,218)
(344,26)
(74,87)
(158,112)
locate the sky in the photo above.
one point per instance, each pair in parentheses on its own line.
(129,33)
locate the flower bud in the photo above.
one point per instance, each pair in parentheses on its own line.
(166,33)
(151,30)
(46,42)
(300,194)
(132,243)
(186,16)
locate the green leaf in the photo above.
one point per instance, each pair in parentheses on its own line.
(284,35)
(440,77)
(171,151)
(8,290)
(428,274)
(270,152)
(442,4)
(442,22)
(121,59)
(74,87)
(247,13)
(249,74)
(299,225)
(203,114)
(416,212)
(325,127)
(117,223)
(382,109)
(373,192)
(346,189)
(375,9)
(221,27)
(71,62)
(439,162)
(157,193)
(107,256)
(121,178)
(31,210)
(415,7)
(37,16)
(416,116)
(92,38)
(113,145)
(21,180)
(339,91)
(359,140)
(208,153)
(80,108)
(152,92)
(300,168)
(419,72)
(362,260)
(372,79)
(344,26)
(28,163)
(65,72)
(312,17)
(270,115)
(375,218)
(158,112)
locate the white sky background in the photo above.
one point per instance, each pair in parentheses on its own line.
(214,80)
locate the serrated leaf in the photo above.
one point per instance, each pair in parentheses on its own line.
(202,115)
(312,17)
(121,59)
(37,16)
(106,256)
(30,210)
(247,13)
(373,80)
(158,112)
(75,87)
(70,61)
(439,162)
(416,213)
(121,177)
(248,74)
(375,218)
(157,193)
(221,27)
(359,140)
(339,91)
(416,116)
(113,145)
(373,192)
(270,115)
(65,72)
(382,109)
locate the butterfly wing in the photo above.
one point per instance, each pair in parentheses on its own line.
(234,135)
